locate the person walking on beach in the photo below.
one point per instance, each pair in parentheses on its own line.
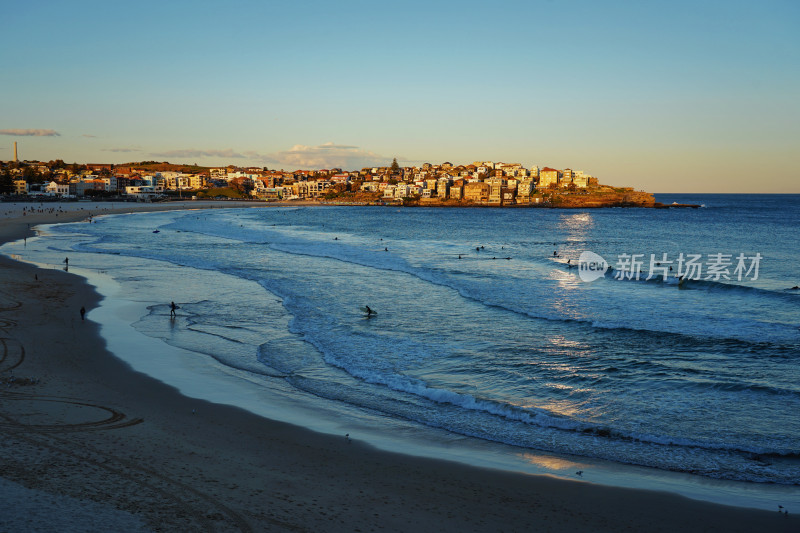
(172,308)
(66,261)
(83,313)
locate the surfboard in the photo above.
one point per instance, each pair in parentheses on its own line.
(364,309)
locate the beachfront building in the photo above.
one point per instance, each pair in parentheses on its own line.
(111,183)
(272,193)
(56,189)
(317,188)
(81,187)
(144,192)
(20,187)
(196,181)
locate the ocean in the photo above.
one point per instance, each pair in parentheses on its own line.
(488,329)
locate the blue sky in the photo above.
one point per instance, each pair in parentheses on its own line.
(678,97)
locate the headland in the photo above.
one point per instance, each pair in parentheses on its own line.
(479,184)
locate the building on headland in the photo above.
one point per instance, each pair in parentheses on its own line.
(477,192)
(566,178)
(479,183)
(548,177)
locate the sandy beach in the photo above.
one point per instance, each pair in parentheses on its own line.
(88,444)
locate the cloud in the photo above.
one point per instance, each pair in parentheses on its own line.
(328,155)
(90,136)
(195,154)
(121,150)
(30,133)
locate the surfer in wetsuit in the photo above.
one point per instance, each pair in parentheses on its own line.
(172,308)
(369,311)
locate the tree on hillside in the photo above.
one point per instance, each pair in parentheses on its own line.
(6,183)
(395,166)
(242,185)
(30,175)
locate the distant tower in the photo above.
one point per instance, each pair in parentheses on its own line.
(15,152)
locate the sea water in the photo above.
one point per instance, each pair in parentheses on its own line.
(485,328)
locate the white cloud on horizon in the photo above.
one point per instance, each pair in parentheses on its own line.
(194,154)
(299,156)
(30,133)
(328,155)
(121,150)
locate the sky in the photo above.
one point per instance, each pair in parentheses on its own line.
(661,96)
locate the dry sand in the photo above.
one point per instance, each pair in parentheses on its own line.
(91,445)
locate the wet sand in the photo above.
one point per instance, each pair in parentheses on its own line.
(79,425)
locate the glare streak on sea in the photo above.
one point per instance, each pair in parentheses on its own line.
(484,328)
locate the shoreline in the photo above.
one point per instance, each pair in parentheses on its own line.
(95,429)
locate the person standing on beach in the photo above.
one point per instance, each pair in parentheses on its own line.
(172,308)
(83,313)
(66,261)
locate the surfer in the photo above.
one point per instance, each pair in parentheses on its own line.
(369,311)
(172,308)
